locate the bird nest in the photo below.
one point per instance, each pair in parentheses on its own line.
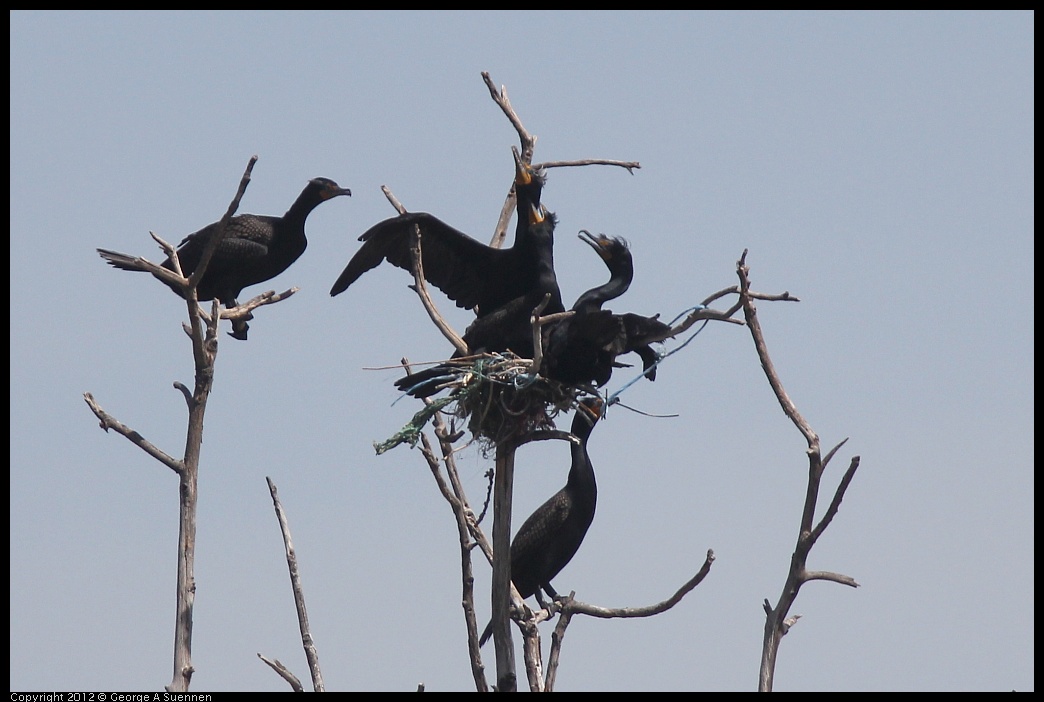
(498,397)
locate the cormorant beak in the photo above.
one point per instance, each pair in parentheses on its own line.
(536,214)
(599,243)
(523,172)
(332,192)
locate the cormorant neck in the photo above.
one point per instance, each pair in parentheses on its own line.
(594,298)
(583,425)
(307,201)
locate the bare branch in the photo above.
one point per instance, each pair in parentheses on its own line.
(776,621)
(545,435)
(751,316)
(572,606)
(164,274)
(839,495)
(527,140)
(284,673)
(109,422)
(422,291)
(827,575)
(466,529)
(419,285)
(502,585)
(178,385)
(538,323)
(219,231)
(295,584)
(204,351)
(631,166)
(243,310)
(531,654)
(393,200)
(831,452)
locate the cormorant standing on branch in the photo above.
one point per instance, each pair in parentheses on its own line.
(551,536)
(469,272)
(254,248)
(583,348)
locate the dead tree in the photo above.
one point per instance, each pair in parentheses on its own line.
(460,407)
(202,330)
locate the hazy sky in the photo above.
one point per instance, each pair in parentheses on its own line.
(877,165)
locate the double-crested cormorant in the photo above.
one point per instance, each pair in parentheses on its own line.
(583,348)
(255,248)
(549,539)
(507,328)
(469,272)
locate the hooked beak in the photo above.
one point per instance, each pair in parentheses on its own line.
(599,243)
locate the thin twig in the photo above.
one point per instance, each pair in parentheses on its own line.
(576,607)
(295,583)
(110,422)
(631,166)
(422,291)
(283,672)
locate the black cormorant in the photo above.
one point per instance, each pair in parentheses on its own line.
(583,348)
(255,248)
(469,272)
(551,536)
(507,328)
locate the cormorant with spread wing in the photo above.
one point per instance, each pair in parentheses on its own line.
(551,536)
(254,248)
(507,328)
(469,272)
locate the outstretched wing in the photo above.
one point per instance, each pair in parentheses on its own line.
(455,263)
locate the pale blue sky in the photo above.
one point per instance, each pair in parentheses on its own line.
(877,165)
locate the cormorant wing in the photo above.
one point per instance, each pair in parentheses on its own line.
(455,263)
(246,237)
(530,541)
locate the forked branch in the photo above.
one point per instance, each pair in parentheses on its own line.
(777,621)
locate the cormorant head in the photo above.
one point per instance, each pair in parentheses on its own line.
(592,406)
(540,216)
(614,251)
(588,411)
(529,183)
(327,189)
(525,173)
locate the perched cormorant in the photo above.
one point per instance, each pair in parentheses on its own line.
(583,348)
(549,539)
(255,248)
(469,272)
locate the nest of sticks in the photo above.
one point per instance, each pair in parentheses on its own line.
(497,396)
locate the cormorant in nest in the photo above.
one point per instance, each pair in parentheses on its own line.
(583,348)
(551,536)
(255,248)
(469,272)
